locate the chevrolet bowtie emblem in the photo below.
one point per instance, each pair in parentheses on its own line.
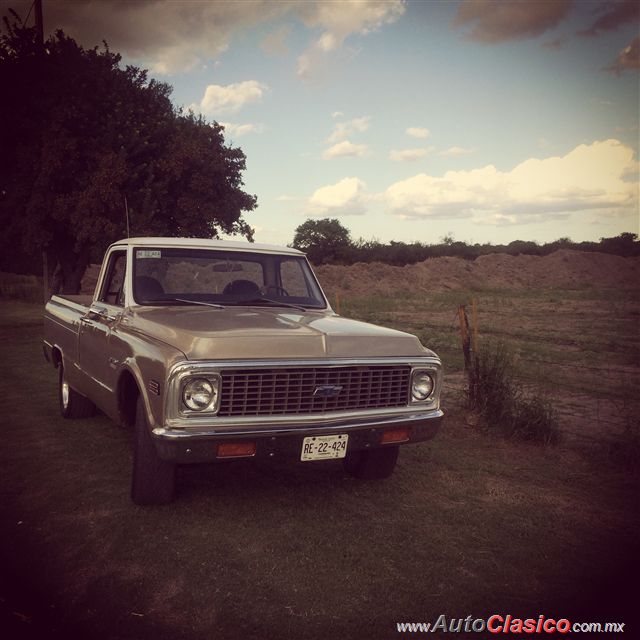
(327,391)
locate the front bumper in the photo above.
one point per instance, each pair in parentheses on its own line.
(285,441)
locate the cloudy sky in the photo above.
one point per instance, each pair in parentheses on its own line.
(493,121)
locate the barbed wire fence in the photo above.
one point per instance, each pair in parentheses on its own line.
(593,402)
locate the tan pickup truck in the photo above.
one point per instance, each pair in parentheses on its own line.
(213,350)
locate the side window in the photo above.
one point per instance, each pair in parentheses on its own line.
(113,286)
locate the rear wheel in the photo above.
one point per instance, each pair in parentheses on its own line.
(72,404)
(372,464)
(153,479)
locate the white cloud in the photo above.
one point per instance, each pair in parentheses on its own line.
(167,36)
(628,59)
(500,220)
(226,99)
(456,151)
(341,19)
(418,132)
(327,42)
(407,155)
(338,21)
(342,130)
(345,148)
(305,64)
(347,197)
(337,114)
(274,43)
(240,130)
(171,37)
(612,17)
(591,177)
(492,22)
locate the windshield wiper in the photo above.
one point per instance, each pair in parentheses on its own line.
(204,304)
(274,303)
(185,300)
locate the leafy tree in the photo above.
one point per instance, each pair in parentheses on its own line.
(324,241)
(79,134)
(626,244)
(447,239)
(523,247)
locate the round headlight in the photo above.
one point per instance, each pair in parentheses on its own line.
(198,394)
(422,386)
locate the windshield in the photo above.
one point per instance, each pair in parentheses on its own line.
(164,276)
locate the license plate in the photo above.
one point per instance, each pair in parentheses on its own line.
(324,447)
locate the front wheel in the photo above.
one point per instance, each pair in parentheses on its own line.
(72,404)
(153,479)
(373,464)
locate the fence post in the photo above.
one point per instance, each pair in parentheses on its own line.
(469,347)
(474,327)
(466,336)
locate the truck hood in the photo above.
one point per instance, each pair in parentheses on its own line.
(203,333)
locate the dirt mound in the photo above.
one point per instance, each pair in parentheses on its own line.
(561,269)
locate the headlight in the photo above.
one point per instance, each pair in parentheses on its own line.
(200,394)
(422,386)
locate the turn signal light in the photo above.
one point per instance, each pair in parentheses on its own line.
(236,449)
(396,435)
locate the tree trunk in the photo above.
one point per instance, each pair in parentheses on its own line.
(73,266)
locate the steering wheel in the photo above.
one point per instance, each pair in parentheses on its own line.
(276,289)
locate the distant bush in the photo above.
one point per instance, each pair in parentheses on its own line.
(334,246)
(21,287)
(504,404)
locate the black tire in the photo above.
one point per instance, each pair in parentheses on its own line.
(373,464)
(72,404)
(153,480)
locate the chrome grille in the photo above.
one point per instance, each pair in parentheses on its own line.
(278,391)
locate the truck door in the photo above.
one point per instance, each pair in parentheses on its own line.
(97,353)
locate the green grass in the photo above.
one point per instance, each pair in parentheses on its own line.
(503,402)
(583,328)
(468,524)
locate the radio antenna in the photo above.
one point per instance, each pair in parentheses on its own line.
(126,210)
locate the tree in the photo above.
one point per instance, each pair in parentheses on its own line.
(79,134)
(323,240)
(626,244)
(517,247)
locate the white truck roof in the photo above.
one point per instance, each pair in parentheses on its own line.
(206,243)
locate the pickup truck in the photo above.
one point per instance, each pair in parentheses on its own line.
(215,350)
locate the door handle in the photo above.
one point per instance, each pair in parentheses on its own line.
(99,313)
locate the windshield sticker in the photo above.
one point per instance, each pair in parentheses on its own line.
(148,254)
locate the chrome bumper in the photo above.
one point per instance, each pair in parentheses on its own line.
(285,441)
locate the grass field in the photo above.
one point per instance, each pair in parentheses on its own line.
(580,347)
(470,524)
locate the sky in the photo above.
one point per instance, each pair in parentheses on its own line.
(409,121)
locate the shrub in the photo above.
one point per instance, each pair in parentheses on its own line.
(504,403)
(21,287)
